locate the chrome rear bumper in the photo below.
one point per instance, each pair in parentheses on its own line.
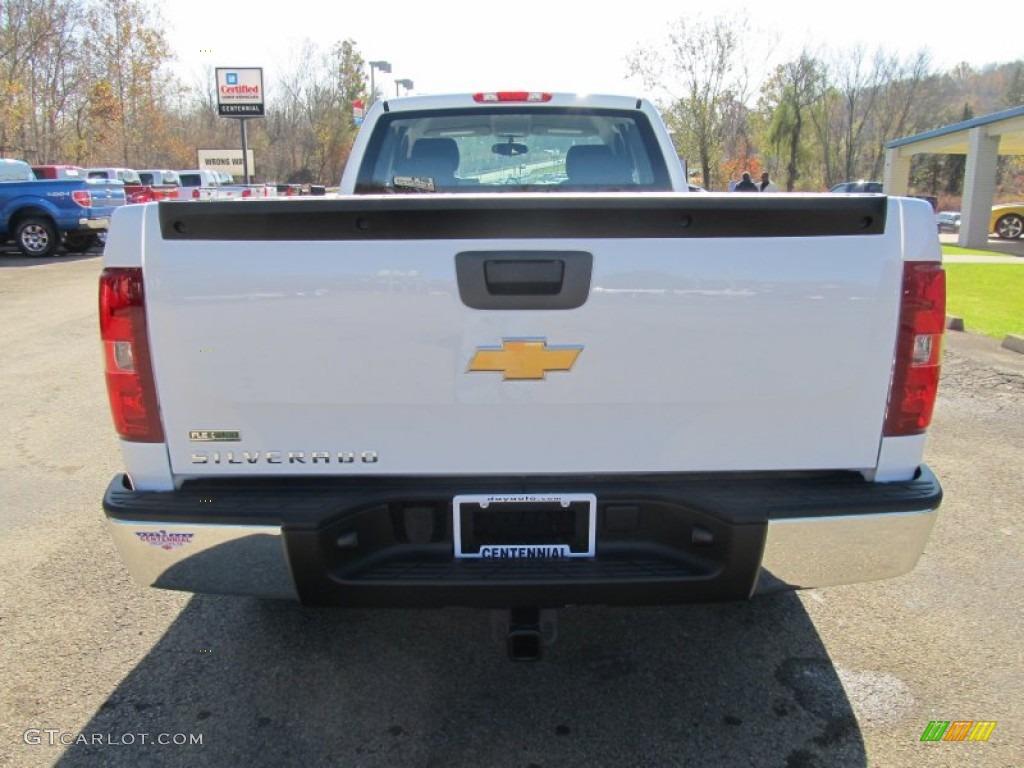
(218,559)
(804,552)
(367,544)
(799,553)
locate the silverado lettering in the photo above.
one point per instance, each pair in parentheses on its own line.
(278,457)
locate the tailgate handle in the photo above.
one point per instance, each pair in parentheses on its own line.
(524,279)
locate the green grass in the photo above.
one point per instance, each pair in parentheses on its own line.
(956,250)
(989,297)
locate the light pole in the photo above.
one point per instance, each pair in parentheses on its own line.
(383,66)
(405,83)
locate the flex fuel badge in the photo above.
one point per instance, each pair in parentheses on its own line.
(214,436)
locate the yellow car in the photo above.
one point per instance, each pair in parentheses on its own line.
(1007,220)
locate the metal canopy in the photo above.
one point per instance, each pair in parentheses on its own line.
(1007,125)
(982,140)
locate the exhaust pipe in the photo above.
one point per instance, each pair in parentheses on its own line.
(526,631)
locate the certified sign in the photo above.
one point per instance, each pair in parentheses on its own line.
(240,91)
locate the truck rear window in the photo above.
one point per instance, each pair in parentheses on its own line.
(505,150)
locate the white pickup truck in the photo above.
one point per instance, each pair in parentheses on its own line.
(516,365)
(205,185)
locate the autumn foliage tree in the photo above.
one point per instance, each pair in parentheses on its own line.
(89,82)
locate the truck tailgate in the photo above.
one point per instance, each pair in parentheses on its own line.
(337,337)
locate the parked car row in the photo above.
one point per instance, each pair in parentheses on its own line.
(44,208)
(136,190)
(164,184)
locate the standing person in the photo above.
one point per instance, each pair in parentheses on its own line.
(746,184)
(767,185)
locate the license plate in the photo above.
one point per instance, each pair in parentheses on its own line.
(517,526)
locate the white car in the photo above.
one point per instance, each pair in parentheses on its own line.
(948,221)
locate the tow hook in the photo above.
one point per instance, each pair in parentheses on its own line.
(525,631)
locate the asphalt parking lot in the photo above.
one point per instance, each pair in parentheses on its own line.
(846,676)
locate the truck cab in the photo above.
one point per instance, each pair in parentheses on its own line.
(15,170)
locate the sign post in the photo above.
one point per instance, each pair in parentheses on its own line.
(240,95)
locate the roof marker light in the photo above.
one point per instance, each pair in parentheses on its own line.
(494,97)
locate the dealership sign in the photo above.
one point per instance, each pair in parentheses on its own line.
(240,91)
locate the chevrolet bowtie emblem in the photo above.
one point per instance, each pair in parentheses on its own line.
(524,358)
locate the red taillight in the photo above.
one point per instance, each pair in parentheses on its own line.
(246,193)
(83,197)
(195,193)
(915,377)
(130,386)
(501,96)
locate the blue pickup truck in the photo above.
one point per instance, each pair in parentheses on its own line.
(40,216)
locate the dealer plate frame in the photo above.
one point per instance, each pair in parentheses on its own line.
(484,499)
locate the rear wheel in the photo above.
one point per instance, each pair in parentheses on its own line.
(1010,226)
(37,237)
(80,242)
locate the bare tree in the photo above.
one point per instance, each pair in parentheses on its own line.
(310,123)
(703,76)
(895,116)
(860,82)
(795,87)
